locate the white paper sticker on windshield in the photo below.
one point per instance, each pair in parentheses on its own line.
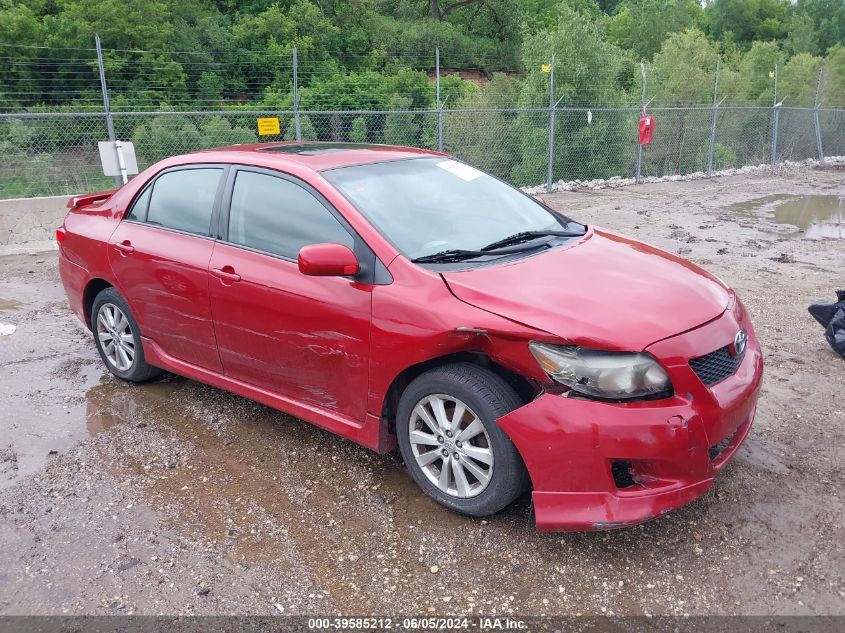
(464,172)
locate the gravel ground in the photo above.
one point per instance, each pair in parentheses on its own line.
(176,498)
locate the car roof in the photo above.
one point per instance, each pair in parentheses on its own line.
(319,155)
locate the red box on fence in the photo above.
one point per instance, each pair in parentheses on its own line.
(646,129)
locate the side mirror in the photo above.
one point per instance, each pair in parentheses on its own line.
(327,260)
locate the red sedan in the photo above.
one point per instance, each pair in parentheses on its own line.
(398,297)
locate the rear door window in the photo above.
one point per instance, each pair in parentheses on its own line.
(278,216)
(183,200)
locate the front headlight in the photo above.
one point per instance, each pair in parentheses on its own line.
(603,374)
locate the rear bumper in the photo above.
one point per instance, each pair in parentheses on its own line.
(597,465)
(74,279)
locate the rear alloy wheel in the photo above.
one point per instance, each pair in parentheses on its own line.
(115,336)
(118,338)
(451,444)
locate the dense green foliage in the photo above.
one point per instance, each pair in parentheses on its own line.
(236,55)
(363,54)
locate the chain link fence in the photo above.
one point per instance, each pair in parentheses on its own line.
(52,116)
(56,153)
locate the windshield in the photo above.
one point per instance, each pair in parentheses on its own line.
(430,205)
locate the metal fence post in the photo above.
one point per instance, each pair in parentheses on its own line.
(295,71)
(639,145)
(118,181)
(550,164)
(775,119)
(437,99)
(712,145)
(816,104)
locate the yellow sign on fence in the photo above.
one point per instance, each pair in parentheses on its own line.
(269,126)
(546,68)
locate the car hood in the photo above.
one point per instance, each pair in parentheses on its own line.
(603,290)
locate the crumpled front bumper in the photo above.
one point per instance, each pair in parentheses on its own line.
(671,448)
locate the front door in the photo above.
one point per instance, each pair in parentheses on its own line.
(159,255)
(305,338)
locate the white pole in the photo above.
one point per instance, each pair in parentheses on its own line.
(118,146)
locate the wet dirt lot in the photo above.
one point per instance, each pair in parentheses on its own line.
(177,498)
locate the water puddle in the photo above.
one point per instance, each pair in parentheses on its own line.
(814,216)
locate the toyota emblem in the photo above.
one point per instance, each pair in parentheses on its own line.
(740,341)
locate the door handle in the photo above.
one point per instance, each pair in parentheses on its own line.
(227,273)
(125,247)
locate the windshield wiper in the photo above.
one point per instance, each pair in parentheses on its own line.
(525,236)
(459,254)
(453,255)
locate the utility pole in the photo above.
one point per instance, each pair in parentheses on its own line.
(816,104)
(552,104)
(295,71)
(712,145)
(437,99)
(775,120)
(118,181)
(642,113)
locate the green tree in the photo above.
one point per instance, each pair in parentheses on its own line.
(306,128)
(400,128)
(828,22)
(756,72)
(594,74)
(798,78)
(141,24)
(642,25)
(166,134)
(20,23)
(802,36)
(745,21)
(682,74)
(277,30)
(684,70)
(358,132)
(833,77)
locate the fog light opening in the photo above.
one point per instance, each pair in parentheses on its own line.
(716,450)
(622,476)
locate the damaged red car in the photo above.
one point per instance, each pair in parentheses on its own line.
(396,296)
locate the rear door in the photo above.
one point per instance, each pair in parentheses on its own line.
(159,255)
(305,338)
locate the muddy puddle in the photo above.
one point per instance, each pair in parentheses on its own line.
(808,217)
(8,304)
(267,489)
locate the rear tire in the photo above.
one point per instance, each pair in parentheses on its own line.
(118,338)
(446,421)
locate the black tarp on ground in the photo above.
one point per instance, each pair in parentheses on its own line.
(831,316)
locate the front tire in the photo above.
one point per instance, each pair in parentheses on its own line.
(453,448)
(118,338)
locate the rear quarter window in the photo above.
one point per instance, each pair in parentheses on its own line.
(138,211)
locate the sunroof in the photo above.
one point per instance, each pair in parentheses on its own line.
(315,149)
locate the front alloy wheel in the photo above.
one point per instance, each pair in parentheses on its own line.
(451,443)
(451,446)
